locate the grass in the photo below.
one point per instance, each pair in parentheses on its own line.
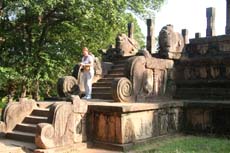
(186,144)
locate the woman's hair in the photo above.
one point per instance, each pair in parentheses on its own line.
(85,49)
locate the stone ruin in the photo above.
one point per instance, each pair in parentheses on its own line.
(137,94)
(125,73)
(171,43)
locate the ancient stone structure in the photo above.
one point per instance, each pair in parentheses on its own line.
(56,125)
(171,44)
(204,73)
(9,120)
(126,45)
(122,90)
(123,124)
(130,79)
(149,75)
(227,28)
(67,86)
(197,35)
(66,126)
(210,14)
(185,36)
(199,83)
(207,117)
(150,46)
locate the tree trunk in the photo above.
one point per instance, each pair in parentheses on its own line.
(47,93)
(24,90)
(35,93)
(11,91)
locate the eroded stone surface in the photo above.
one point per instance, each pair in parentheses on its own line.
(171,43)
(149,75)
(67,125)
(22,108)
(128,123)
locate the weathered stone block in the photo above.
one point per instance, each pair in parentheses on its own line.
(128,123)
(210,117)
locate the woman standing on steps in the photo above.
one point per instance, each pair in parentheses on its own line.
(88,72)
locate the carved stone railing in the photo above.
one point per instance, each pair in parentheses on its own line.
(148,75)
(67,126)
(14,113)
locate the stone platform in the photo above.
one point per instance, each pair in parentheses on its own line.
(115,125)
(119,126)
(11,146)
(207,117)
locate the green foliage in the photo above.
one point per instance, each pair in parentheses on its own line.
(3,102)
(43,39)
(187,144)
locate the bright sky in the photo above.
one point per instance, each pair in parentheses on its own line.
(191,15)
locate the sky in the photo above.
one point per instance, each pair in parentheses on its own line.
(189,14)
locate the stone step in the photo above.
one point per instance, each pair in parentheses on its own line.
(107,96)
(40,112)
(116,66)
(106,80)
(21,136)
(99,90)
(117,71)
(24,127)
(125,58)
(102,84)
(122,61)
(35,119)
(114,75)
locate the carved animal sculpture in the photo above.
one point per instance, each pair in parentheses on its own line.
(127,46)
(171,43)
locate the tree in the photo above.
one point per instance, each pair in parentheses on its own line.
(43,39)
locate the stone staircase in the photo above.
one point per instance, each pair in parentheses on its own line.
(102,89)
(26,130)
(38,126)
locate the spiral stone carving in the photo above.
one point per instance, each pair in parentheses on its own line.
(45,136)
(122,90)
(67,86)
(67,125)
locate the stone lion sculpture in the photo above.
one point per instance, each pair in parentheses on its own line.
(126,45)
(171,43)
